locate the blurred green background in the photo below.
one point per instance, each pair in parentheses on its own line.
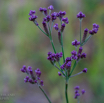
(21,43)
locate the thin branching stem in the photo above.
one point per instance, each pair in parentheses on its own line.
(80,30)
(45,94)
(86,40)
(66,90)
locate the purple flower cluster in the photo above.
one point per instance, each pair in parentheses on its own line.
(77,94)
(56,26)
(59,74)
(95,29)
(52,57)
(65,20)
(65,69)
(33,79)
(50,17)
(33,17)
(75,43)
(51,7)
(75,55)
(54,15)
(67,63)
(80,15)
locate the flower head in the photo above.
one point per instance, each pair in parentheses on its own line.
(84,70)
(80,15)
(65,20)
(54,16)
(56,26)
(83,91)
(59,74)
(41,83)
(75,43)
(23,69)
(32,12)
(50,7)
(76,87)
(95,29)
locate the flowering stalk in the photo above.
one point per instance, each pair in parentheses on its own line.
(66,68)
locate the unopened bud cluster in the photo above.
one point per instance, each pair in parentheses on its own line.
(31,78)
(77,93)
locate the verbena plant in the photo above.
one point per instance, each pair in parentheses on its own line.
(65,69)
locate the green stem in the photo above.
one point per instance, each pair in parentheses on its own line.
(53,46)
(51,27)
(66,89)
(59,69)
(75,63)
(42,30)
(62,45)
(86,40)
(78,100)
(50,37)
(63,53)
(80,30)
(76,74)
(45,94)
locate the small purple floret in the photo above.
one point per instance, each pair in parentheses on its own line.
(68,65)
(30,80)
(49,53)
(75,43)
(54,16)
(30,69)
(41,83)
(56,26)
(41,9)
(59,74)
(80,50)
(45,11)
(32,18)
(80,15)
(35,81)
(95,29)
(85,34)
(62,27)
(83,55)
(84,70)
(50,7)
(38,72)
(24,70)
(74,52)
(76,88)
(48,18)
(62,66)
(26,79)
(32,12)
(67,59)
(83,91)
(65,20)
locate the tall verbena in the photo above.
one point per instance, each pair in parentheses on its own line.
(66,68)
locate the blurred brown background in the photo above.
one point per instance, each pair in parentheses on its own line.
(21,43)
